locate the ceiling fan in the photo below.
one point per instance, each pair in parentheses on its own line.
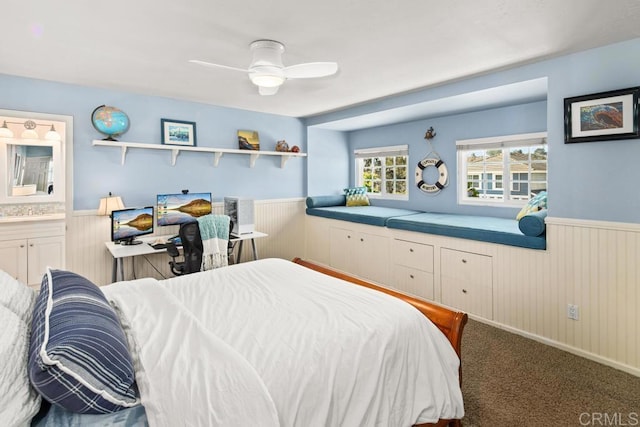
(267,70)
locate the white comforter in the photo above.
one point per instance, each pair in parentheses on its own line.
(273,343)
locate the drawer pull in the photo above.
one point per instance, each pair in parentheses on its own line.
(361,239)
(22,246)
(348,237)
(410,249)
(464,261)
(411,275)
(464,291)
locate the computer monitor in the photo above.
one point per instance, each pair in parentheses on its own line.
(176,209)
(127,224)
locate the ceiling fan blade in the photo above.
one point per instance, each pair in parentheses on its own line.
(212,65)
(310,70)
(265,91)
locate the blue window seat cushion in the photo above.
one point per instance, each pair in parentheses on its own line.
(486,229)
(372,215)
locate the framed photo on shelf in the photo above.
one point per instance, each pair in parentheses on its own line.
(248,140)
(178,132)
(602,116)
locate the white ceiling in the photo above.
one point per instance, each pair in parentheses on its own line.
(382,47)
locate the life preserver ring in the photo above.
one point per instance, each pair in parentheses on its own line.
(442,171)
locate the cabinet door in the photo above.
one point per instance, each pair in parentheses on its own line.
(467,282)
(44,252)
(13,258)
(342,248)
(372,257)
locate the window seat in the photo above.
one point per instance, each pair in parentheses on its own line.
(529,232)
(483,228)
(334,207)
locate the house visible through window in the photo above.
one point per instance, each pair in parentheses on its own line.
(504,171)
(383,170)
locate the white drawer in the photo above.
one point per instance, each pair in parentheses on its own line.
(467,281)
(413,281)
(464,265)
(412,254)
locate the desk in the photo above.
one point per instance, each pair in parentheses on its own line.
(120,252)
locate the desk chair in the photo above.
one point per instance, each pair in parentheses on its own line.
(191,247)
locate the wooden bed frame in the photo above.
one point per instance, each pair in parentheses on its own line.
(450,322)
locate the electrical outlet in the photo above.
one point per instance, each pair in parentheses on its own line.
(572,312)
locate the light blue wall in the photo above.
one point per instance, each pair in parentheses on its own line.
(330,153)
(500,121)
(97,170)
(595,181)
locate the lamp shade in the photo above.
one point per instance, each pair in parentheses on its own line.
(5,131)
(29,134)
(110,204)
(52,135)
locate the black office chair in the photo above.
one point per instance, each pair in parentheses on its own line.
(191,248)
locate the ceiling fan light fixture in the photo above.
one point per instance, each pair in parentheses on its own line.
(266,80)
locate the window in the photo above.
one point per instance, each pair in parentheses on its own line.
(383,171)
(488,166)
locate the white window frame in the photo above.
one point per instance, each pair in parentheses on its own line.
(494,143)
(391,151)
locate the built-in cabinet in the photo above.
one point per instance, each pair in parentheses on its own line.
(361,253)
(412,268)
(467,281)
(455,272)
(27,248)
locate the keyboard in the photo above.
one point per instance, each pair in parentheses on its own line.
(157,246)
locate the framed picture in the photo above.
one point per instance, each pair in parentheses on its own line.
(178,132)
(248,140)
(602,116)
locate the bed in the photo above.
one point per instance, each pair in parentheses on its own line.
(269,342)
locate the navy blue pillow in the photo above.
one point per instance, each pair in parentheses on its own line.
(78,354)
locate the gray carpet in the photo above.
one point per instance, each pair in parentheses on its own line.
(509,380)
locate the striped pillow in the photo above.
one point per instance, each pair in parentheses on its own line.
(78,355)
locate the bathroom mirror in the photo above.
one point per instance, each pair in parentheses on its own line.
(33,164)
(31,170)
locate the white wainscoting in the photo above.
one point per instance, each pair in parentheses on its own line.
(282,220)
(592,264)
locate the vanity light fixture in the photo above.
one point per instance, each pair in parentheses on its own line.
(5,131)
(29,131)
(109,204)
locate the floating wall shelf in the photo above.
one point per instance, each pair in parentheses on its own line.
(217,152)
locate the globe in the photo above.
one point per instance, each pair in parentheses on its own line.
(109,121)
